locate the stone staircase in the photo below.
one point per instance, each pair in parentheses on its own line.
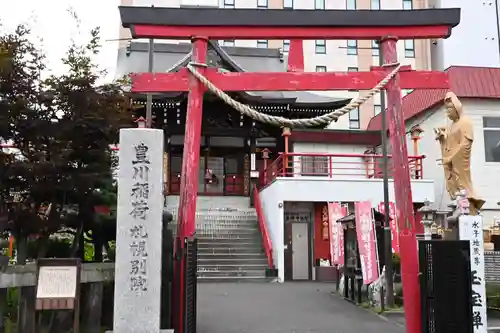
(229,240)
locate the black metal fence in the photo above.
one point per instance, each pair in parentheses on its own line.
(185,286)
(445,284)
(190,291)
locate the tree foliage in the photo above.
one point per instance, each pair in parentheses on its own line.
(62,127)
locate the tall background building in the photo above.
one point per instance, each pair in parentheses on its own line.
(474,42)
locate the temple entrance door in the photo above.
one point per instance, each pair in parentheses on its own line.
(221,169)
(214,175)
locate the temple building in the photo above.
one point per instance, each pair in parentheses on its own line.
(228,138)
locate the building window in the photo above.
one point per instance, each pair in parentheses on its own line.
(262,44)
(491,126)
(377,109)
(319,4)
(375,48)
(288,4)
(320,68)
(407,4)
(409,48)
(286,45)
(375,4)
(263,4)
(229,3)
(352,47)
(321,46)
(314,166)
(351,4)
(228,42)
(354,119)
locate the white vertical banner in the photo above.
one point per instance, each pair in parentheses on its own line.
(471,229)
(139,231)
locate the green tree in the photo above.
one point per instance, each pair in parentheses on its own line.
(63,127)
(29,178)
(90,114)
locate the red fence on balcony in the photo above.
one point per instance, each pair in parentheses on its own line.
(266,239)
(335,166)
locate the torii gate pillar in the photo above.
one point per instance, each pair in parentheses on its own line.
(402,189)
(192,139)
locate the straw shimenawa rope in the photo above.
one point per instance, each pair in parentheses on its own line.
(322,120)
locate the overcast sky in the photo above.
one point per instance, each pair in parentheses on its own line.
(50,21)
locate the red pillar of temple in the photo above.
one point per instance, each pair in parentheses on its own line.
(191,152)
(402,190)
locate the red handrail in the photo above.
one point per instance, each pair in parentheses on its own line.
(334,166)
(268,248)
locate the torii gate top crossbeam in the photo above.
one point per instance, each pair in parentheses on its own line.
(215,23)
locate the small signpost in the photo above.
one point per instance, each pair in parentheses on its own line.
(58,287)
(471,229)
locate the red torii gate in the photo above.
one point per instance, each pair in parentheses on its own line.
(201,24)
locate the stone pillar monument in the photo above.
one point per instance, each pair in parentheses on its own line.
(139,232)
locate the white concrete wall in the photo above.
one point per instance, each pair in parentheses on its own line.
(342,167)
(485,175)
(272,207)
(318,189)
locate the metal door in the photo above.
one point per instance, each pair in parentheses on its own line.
(300,251)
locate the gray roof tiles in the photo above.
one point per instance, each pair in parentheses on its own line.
(171,57)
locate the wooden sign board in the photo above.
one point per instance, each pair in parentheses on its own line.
(58,286)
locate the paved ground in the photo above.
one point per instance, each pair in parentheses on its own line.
(300,307)
(493,320)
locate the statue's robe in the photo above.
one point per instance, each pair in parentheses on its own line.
(457,149)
